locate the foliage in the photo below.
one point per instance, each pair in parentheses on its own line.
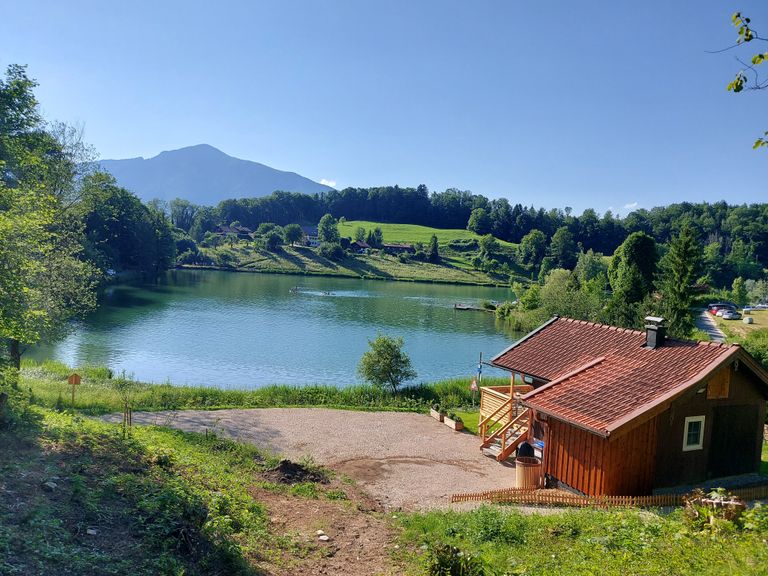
(433,253)
(292,233)
(756,343)
(631,275)
(447,560)
(532,248)
(273,240)
(488,247)
(331,250)
(386,364)
(183,213)
(739,291)
(746,34)
(327,230)
(44,279)
(562,248)
(479,222)
(679,268)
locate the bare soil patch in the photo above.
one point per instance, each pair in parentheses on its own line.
(402,460)
(360,541)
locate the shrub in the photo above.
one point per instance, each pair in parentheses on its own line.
(331,250)
(447,560)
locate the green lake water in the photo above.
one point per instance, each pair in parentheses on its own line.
(237,330)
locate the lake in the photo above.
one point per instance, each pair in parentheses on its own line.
(238,330)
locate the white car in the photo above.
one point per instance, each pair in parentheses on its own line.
(731,315)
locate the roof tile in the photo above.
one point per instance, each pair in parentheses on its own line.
(629,377)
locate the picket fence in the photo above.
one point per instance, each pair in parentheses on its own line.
(538,497)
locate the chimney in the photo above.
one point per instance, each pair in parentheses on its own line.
(655,332)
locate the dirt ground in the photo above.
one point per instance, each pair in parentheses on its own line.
(401,460)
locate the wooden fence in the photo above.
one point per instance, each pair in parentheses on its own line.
(536,497)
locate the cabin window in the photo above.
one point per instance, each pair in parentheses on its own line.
(719,386)
(693,433)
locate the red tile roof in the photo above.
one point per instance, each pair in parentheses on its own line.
(603,377)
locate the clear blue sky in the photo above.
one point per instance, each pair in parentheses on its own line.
(560,103)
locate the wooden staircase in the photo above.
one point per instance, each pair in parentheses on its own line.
(504,430)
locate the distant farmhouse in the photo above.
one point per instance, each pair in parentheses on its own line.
(399,248)
(239,231)
(311,237)
(627,412)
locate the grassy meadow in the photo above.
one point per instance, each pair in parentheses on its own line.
(246,257)
(411,233)
(455,266)
(98,393)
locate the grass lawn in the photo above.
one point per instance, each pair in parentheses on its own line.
(498,540)
(47,383)
(452,269)
(470,419)
(410,233)
(739,330)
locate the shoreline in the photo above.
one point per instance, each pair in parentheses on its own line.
(340,275)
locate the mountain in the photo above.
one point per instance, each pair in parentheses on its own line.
(203,175)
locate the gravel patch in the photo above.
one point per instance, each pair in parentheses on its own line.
(403,460)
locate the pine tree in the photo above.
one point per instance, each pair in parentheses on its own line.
(678,273)
(433,255)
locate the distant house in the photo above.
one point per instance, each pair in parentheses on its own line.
(359,246)
(399,248)
(311,237)
(627,412)
(239,231)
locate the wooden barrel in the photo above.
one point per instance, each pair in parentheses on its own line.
(527,472)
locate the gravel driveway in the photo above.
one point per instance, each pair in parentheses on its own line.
(403,460)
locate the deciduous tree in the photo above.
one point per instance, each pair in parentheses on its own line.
(385,364)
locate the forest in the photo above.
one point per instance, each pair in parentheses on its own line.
(734,238)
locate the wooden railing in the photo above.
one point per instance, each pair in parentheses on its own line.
(519,425)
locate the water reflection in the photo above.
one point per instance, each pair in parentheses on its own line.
(249,330)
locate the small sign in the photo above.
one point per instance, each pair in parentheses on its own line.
(473,386)
(74,379)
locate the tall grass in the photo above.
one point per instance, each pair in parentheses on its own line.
(47,383)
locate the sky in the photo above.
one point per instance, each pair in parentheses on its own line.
(547,103)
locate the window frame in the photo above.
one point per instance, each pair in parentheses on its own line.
(700,445)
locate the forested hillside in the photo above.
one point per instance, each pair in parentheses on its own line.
(734,238)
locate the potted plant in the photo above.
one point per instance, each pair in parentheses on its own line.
(436,412)
(453,421)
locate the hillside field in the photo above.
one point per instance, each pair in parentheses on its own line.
(411,233)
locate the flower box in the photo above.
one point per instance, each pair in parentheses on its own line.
(436,414)
(453,424)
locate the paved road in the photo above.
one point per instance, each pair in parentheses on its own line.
(403,460)
(705,322)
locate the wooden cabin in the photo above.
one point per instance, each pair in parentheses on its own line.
(627,412)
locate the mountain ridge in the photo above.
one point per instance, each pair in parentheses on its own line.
(204,175)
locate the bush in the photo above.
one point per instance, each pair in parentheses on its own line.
(756,343)
(331,250)
(463,245)
(447,560)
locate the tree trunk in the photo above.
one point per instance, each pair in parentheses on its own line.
(15,353)
(3,402)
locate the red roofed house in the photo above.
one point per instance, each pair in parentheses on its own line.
(625,412)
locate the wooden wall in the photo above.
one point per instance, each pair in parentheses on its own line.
(598,466)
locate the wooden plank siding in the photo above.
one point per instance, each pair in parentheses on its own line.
(598,466)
